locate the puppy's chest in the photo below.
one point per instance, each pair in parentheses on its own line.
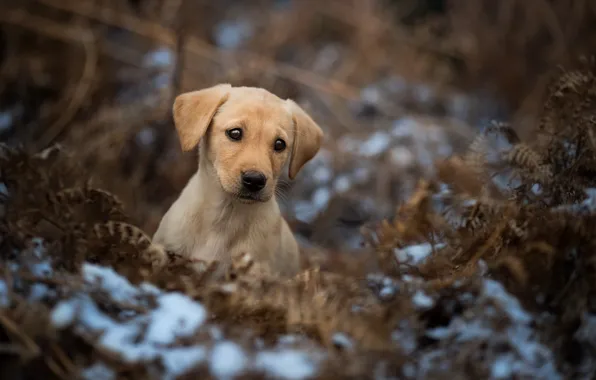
(221,238)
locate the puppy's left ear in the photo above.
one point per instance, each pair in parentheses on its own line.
(308,137)
(193,112)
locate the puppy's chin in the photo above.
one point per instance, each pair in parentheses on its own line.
(249,198)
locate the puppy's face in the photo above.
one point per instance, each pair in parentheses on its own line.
(248,135)
(248,142)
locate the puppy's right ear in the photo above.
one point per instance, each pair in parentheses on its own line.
(193,112)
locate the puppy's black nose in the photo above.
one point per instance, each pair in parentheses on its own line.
(253,181)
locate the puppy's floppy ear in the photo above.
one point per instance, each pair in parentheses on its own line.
(193,112)
(308,137)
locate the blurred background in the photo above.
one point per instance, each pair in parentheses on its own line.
(395,84)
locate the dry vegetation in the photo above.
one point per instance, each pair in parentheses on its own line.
(501,226)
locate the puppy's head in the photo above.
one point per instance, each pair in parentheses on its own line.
(249,134)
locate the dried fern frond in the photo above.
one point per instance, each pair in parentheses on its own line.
(523,156)
(87,195)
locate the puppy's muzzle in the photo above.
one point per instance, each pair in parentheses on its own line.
(253,182)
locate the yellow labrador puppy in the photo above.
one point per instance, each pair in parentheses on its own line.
(228,208)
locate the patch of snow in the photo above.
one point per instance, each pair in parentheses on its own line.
(230,34)
(376,144)
(162,80)
(137,338)
(397,85)
(510,304)
(459,106)
(444,150)
(387,292)
(177,315)
(326,59)
(590,202)
(287,339)
(361,174)
(405,127)
(424,157)
(438,333)
(320,198)
(342,184)
(150,289)
(587,330)
(502,368)
(227,360)
(414,254)
(162,57)
(423,93)
(401,156)
(109,280)
(43,268)
(304,211)
(281,4)
(348,143)
(422,300)
(342,340)
(178,361)
(229,288)
(98,371)
(5,121)
(322,175)
(215,333)
(286,364)
(409,370)
(4,301)
(38,292)
(145,137)
(371,95)
(406,337)
(64,313)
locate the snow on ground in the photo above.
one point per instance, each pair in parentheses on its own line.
(415,254)
(146,337)
(512,351)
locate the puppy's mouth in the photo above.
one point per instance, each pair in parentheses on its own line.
(246,197)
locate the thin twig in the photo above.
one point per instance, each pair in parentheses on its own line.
(11,327)
(54,367)
(6,348)
(80,93)
(66,362)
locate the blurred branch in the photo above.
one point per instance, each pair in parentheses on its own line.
(181,34)
(58,31)
(44,26)
(79,95)
(165,36)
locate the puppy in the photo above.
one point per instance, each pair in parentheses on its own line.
(228,208)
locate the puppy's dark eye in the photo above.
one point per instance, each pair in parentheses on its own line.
(279,145)
(234,134)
